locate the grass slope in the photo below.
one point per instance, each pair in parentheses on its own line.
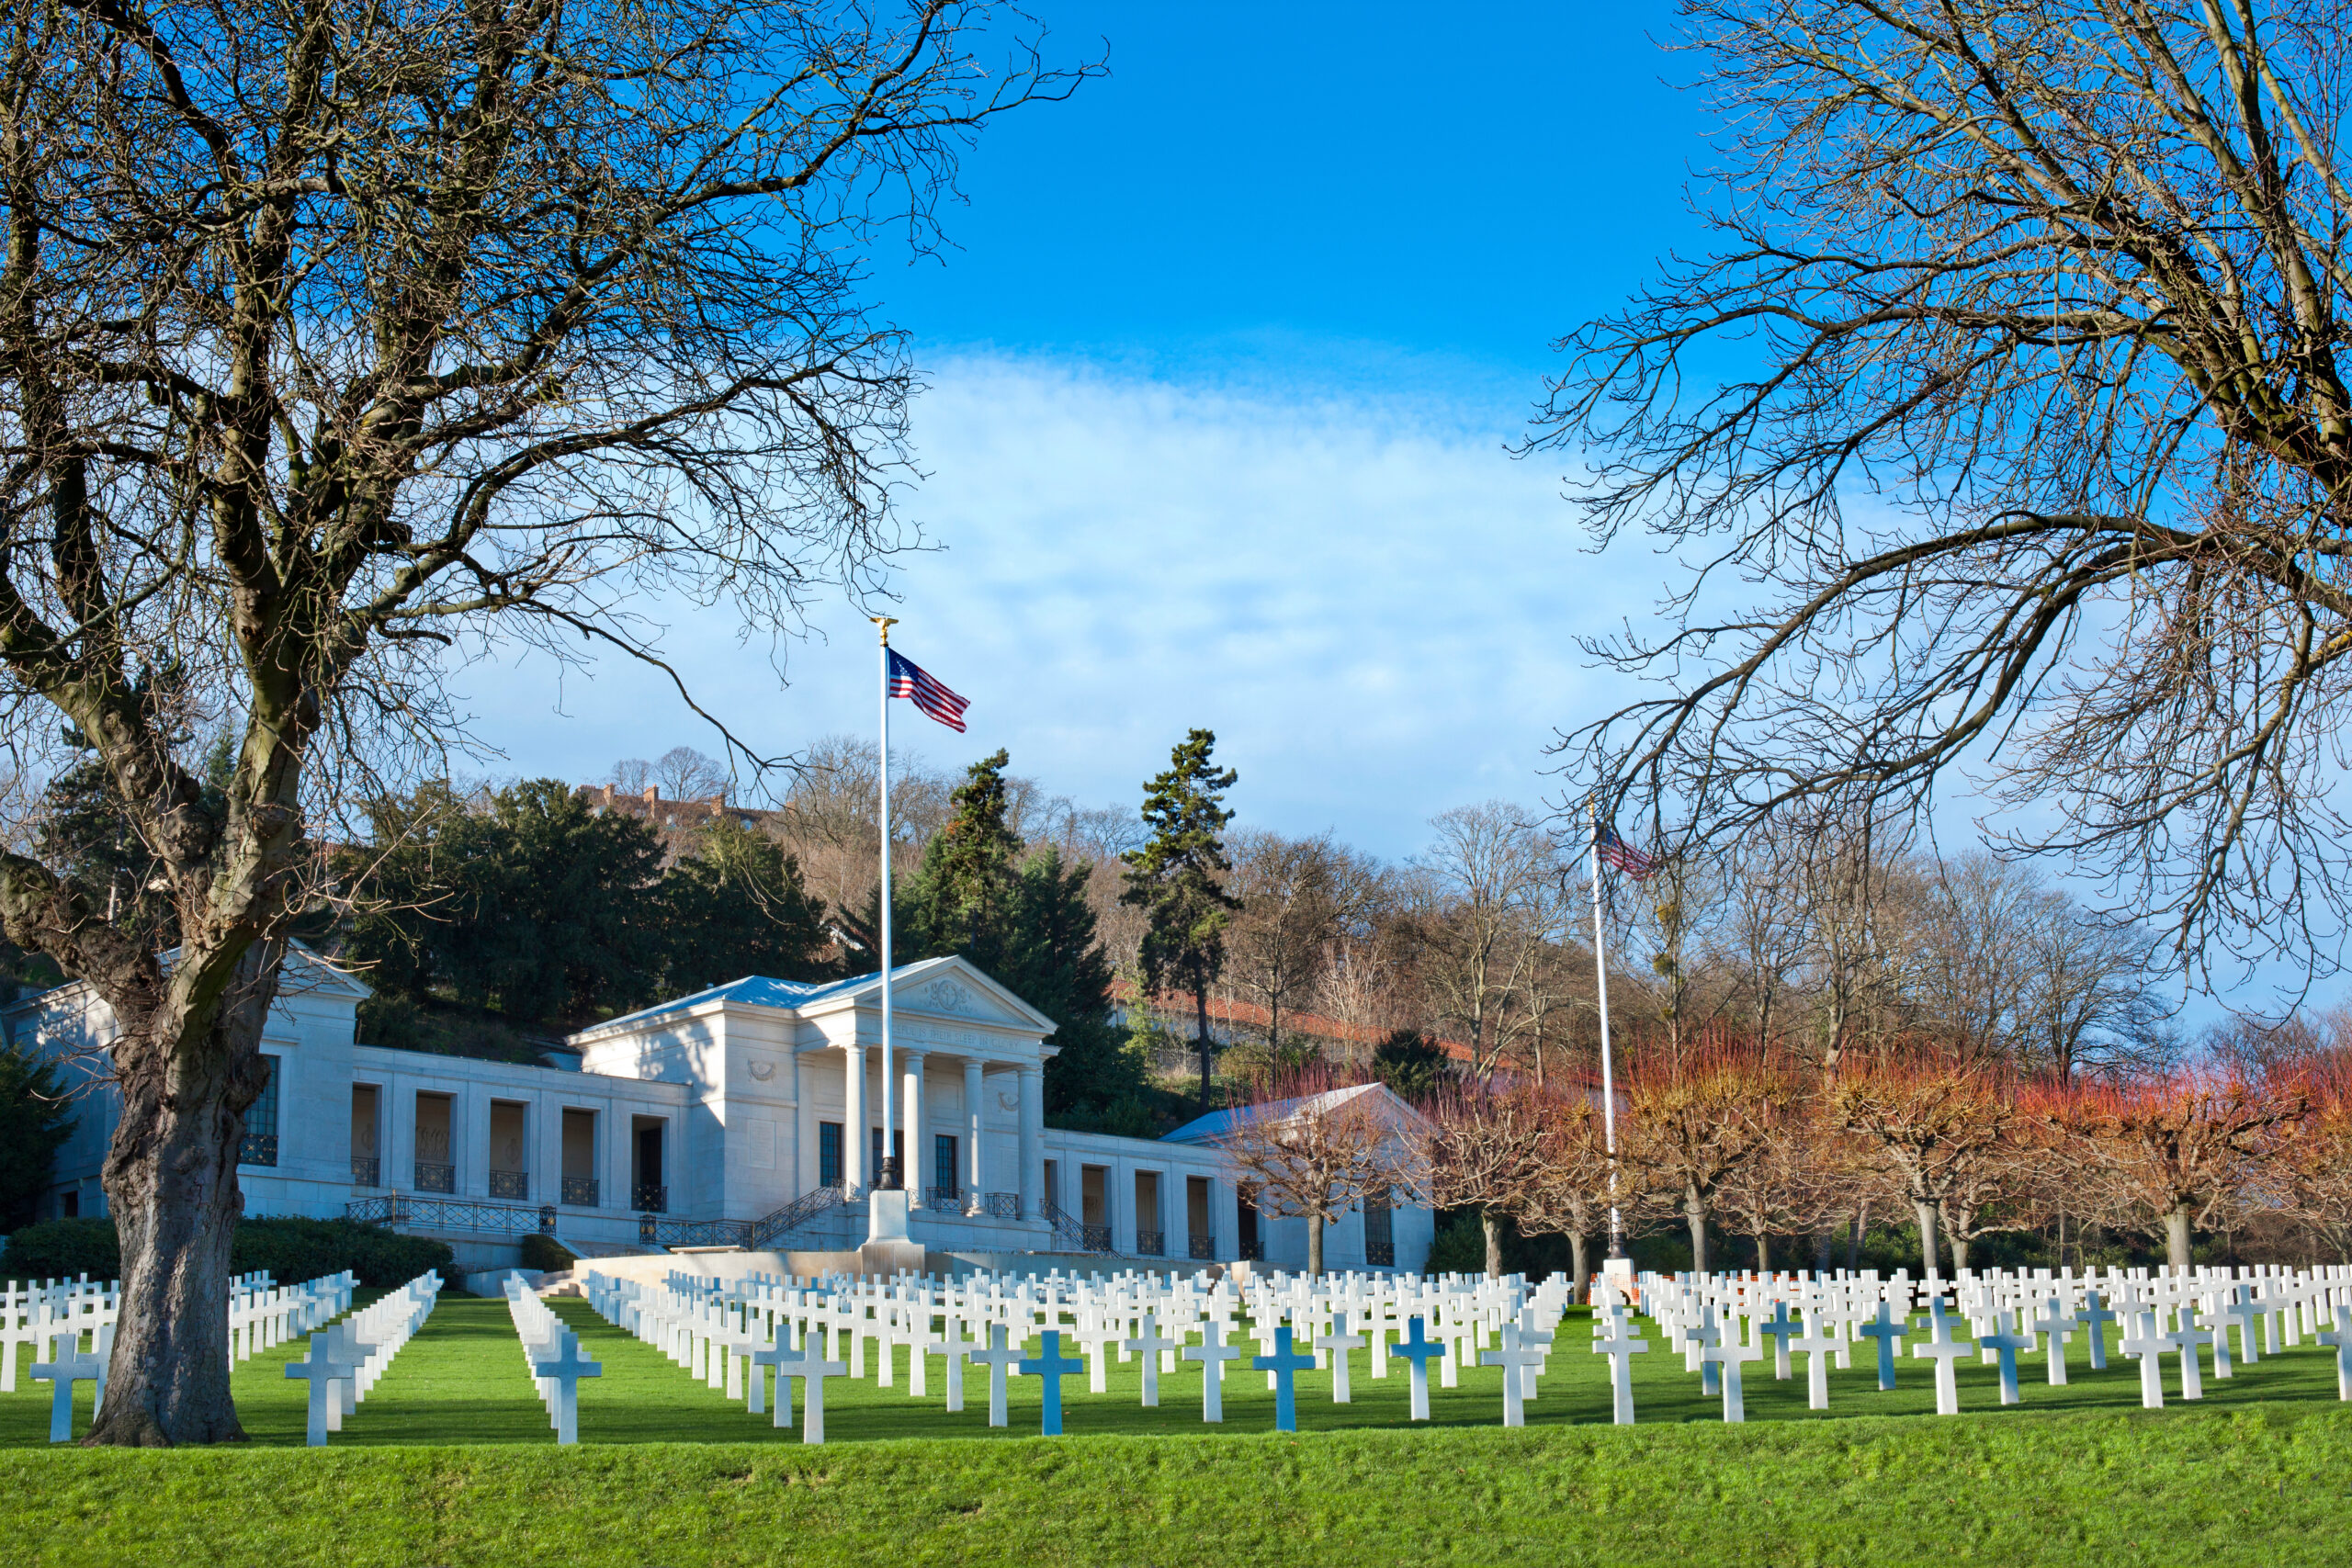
(451,1461)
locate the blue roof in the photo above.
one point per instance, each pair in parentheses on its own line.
(761,990)
(1217,1125)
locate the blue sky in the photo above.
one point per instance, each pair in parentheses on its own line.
(1223,367)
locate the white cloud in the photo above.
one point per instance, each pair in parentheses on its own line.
(1370,602)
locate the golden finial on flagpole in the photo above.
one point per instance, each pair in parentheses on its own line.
(884,624)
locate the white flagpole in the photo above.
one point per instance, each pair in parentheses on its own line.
(886,1175)
(1608,1071)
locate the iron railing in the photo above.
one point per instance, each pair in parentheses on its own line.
(1151,1244)
(651,1200)
(1004,1205)
(758,1234)
(1380,1254)
(1203,1245)
(949,1199)
(514,1184)
(1067,1230)
(580,1192)
(1253,1251)
(258,1148)
(449,1213)
(367,1170)
(1098,1238)
(654,1231)
(432,1178)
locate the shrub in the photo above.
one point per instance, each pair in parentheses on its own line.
(60,1250)
(546,1254)
(291,1249)
(295,1250)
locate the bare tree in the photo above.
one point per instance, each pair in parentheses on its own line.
(1571,1194)
(1692,1122)
(1489,1147)
(1485,884)
(685,773)
(2042,470)
(1937,1127)
(335,337)
(1297,897)
(1312,1149)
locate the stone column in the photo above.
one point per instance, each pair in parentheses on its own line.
(804,1130)
(975,1089)
(853,1116)
(1032,1142)
(912,1164)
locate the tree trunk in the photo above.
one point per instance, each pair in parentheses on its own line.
(1492,1223)
(1926,1217)
(1694,1214)
(1763,1253)
(1854,1238)
(1315,1247)
(1824,1240)
(1201,1039)
(2176,1239)
(186,1076)
(1580,1264)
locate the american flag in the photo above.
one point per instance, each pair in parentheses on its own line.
(909,678)
(1624,857)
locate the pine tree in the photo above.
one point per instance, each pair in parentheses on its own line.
(1026,922)
(1177,878)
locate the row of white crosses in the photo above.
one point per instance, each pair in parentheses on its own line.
(551,1352)
(1825,1318)
(732,1334)
(55,1317)
(345,1359)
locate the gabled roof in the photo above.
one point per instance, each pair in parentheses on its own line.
(1218,1125)
(316,975)
(760,990)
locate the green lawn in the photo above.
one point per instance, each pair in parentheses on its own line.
(451,1461)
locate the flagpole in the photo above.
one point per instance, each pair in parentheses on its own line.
(1608,1071)
(886,1176)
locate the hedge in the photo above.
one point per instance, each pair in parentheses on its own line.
(291,1249)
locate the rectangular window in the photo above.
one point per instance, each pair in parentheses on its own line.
(943,1164)
(257,1137)
(828,1154)
(1379,1237)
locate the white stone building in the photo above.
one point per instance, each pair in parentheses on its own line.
(740,1115)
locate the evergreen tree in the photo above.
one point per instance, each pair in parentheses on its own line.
(1177,878)
(736,907)
(962,897)
(1027,923)
(33,1126)
(1408,1062)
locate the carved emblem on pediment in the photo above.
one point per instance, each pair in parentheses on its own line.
(1007,1101)
(949,996)
(762,1071)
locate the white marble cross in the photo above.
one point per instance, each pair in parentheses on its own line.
(321,1368)
(1779,1326)
(2095,1318)
(1728,1353)
(811,1369)
(1213,1353)
(1514,1358)
(1943,1350)
(1620,1347)
(1888,1332)
(2007,1343)
(1417,1350)
(774,1354)
(564,1369)
(1339,1342)
(1817,1346)
(2054,1325)
(1150,1344)
(952,1344)
(2186,1339)
(2338,1339)
(998,1359)
(2146,1344)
